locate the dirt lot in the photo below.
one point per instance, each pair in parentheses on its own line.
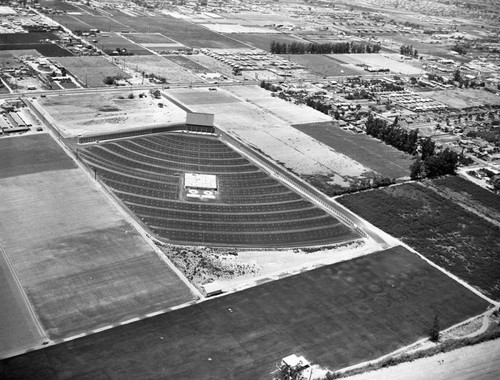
(287,111)
(236,269)
(91,71)
(82,265)
(335,316)
(86,114)
(388,61)
(479,362)
(265,131)
(465,98)
(161,67)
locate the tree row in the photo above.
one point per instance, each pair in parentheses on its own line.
(323,48)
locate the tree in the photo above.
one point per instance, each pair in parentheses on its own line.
(495,182)
(286,372)
(434,334)
(417,169)
(109,80)
(427,147)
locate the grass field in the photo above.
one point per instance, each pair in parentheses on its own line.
(335,316)
(454,238)
(370,152)
(91,71)
(80,263)
(323,65)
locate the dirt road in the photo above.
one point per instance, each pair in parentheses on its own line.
(479,362)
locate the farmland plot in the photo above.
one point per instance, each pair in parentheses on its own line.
(81,264)
(454,238)
(335,316)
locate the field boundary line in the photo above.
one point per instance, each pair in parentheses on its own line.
(41,331)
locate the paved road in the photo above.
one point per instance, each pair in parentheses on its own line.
(479,362)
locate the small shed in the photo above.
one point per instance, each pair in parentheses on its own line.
(211,289)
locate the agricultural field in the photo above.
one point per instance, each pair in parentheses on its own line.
(388,61)
(371,152)
(47,50)
(91,71)
(187,64)
(27,41)
(465,98)
(108,112)
(81,264)
(74,24)
(18,330)
(112,41)
(335,316)
(453,237)
(154,41)
(264,131)
(234,29)
(324,65)
(61,5)
(263,40)
(160,67)
(212,65)
(26,38)
(179,30)
(468,195)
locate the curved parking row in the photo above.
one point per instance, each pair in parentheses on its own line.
(248,208)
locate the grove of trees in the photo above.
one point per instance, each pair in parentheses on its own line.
(392,134)
(408,50)
(323,48)
(430,164)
